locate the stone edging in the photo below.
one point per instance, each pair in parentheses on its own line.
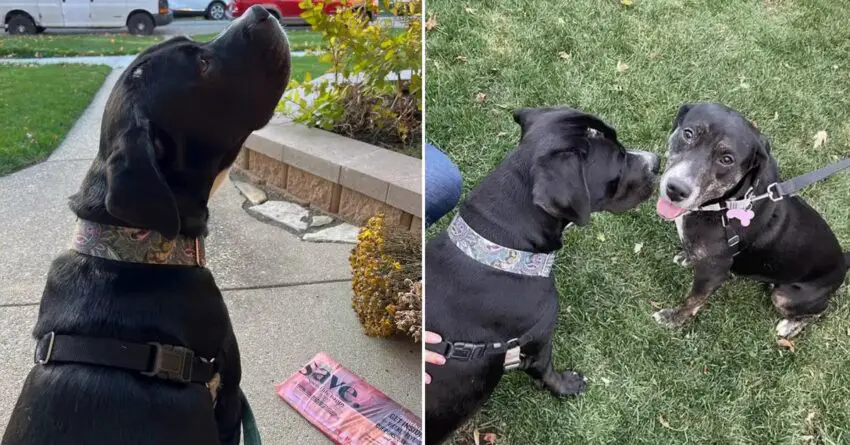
(338,175)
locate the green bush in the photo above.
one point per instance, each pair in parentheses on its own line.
(371,108)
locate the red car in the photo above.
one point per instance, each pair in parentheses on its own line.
(288,11)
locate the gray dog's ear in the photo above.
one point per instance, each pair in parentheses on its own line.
(136,188)
(680,116)
(559,186)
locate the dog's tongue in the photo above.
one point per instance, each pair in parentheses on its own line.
(667,210)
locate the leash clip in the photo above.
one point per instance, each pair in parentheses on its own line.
(465,351)
(773,192)
(171,363)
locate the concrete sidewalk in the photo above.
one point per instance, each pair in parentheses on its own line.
(288,299)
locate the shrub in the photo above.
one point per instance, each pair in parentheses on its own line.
(367,99)
(386,267)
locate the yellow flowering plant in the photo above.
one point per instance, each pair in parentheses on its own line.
(385,264)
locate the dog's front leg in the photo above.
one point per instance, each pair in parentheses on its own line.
(709,274)
(539,366)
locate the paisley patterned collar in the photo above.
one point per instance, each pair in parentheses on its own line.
(496,256)
(136,245)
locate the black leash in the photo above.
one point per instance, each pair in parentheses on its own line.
(168,362)
(776,191)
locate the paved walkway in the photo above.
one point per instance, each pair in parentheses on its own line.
(288,299)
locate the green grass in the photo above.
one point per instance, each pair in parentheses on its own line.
(114,44)
(307,64)
(721,379)
(38,105)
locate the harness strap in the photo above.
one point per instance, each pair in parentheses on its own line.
(168,362)
(464,351)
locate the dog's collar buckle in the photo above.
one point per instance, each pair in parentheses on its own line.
(50,338)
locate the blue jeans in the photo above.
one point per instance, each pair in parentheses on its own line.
(442,184)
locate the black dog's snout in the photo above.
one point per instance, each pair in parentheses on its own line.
(677,191)
(259,13)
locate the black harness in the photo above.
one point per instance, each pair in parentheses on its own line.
(167,362)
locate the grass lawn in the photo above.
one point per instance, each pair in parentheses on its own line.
(38,105)
(721,379)
(114,44)
(307,64)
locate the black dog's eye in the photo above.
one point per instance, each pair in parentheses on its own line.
(727,160)
(204,64)
(688,134)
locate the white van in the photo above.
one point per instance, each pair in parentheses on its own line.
(33,16)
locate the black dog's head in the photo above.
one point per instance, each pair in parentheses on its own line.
(579,167)
(713,153)
(175,122)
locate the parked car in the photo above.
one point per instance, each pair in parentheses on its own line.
(288,11)
(33,16)
(210,10)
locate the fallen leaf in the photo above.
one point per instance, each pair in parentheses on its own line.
(461,59)
(469,10)
(652,56)
(835,67)
(569,309)
(638,247)
(664,422)
(431,23)
(561,21)
(605,381)
(601,237)
(501,134)
(705,370)
(820,139)
(776,115)
(655,304)
(476,437)
(785,343)
(480,97)
(621,67)
(810,417)
(490,438)
(626,2)
(564,55)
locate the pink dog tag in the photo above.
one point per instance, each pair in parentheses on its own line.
(742,215)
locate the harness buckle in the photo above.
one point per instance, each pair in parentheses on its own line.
(172,363)
(465,351)
(513,358)
(51,338)
(773,192)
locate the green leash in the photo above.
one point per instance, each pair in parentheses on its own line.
(250,432)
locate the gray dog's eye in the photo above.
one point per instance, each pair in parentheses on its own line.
(688,134)
(727,160)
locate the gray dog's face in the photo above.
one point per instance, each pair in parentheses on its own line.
(711,149)
(579,166)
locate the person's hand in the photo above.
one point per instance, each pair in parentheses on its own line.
(430,356)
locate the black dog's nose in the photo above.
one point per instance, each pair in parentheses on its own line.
(677,191)
(259,13)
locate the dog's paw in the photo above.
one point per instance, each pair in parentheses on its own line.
(787,328)
(567,383)
(682,259)
(669,317)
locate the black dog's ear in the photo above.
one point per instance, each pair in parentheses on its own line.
(577,122)
(680,116)
(525,117)
(136,188)
(559,186)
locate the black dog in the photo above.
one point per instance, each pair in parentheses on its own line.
(568,165)
(172,127)
(716,155)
